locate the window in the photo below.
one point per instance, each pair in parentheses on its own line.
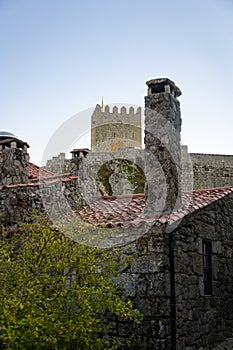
(207,265)
(157,89)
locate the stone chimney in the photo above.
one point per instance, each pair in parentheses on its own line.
(81,167)
(13,159)
(78,154)
(162,147)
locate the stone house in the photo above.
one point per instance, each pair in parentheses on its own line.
(180,243)
(26,188)
(181,272)
(182,275)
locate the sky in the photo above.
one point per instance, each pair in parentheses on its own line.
(59,57)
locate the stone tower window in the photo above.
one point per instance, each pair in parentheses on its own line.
(157,89)
(207,266)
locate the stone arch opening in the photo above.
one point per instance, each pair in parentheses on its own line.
(120,176)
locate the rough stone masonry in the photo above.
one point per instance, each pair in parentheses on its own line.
(162,146)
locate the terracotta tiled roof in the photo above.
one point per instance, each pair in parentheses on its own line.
(45,181)
(112,211)
(43,177)
(35,172)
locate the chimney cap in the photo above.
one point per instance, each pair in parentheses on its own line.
(75,150)
(6,135)
(161,82)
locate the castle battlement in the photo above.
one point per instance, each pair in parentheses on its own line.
(109,115)
(115,128)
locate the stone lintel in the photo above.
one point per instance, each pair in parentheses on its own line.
(79,152)
(163,85)
(20,144)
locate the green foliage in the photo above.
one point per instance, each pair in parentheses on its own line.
(132,171)
(55,293)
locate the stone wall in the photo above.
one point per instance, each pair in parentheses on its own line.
(146,278)
(187,180)
(18,203)
(88,188)
(119,172)
(212,170)
(203,321)
(198,170)
(111,130)
(111,137)
(58,164)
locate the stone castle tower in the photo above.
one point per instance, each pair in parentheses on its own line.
(111,131)
(162,146)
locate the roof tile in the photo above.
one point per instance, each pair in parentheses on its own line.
(128,210)
(34,171)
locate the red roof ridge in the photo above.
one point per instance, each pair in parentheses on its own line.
(35,171)
(42,181)
(122,196)
(131,213)
(209,189)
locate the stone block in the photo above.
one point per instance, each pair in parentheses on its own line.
(148,264)
(197,264)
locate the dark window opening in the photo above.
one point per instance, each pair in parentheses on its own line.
(157,89)
(207,265)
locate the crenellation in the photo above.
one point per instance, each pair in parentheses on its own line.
(123,111)
(131,111)
(107,109)
(100,117)
(115,110)
(98,108)
(117,128)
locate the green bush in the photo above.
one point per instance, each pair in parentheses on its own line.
(55,293)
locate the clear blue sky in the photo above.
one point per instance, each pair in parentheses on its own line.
(58,57)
